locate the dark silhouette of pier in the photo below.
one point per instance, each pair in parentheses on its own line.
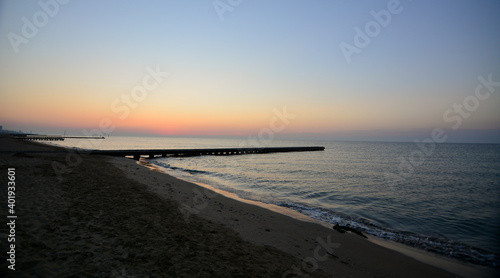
(53,137)
(137,154)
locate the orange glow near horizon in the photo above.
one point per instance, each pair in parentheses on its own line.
(150,116)
(162,114)
(179,109)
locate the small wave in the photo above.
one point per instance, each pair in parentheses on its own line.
(193,172)
(441,246)
(160,163)
(190,171)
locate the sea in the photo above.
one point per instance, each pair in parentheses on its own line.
(443,198)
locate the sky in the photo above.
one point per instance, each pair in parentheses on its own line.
(333,70)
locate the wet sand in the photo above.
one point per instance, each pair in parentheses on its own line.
(110,217)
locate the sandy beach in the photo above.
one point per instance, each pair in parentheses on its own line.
(111,217)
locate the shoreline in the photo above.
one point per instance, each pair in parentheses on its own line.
(75,218)
(451,265)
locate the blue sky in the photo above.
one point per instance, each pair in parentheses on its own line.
(262,55)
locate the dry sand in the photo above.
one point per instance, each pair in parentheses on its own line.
(110,217)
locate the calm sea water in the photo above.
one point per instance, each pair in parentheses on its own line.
(443,198)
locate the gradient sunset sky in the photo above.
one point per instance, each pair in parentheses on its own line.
(232,64)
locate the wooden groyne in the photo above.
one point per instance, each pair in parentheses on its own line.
(54,137)
(41,138)
(137,154)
